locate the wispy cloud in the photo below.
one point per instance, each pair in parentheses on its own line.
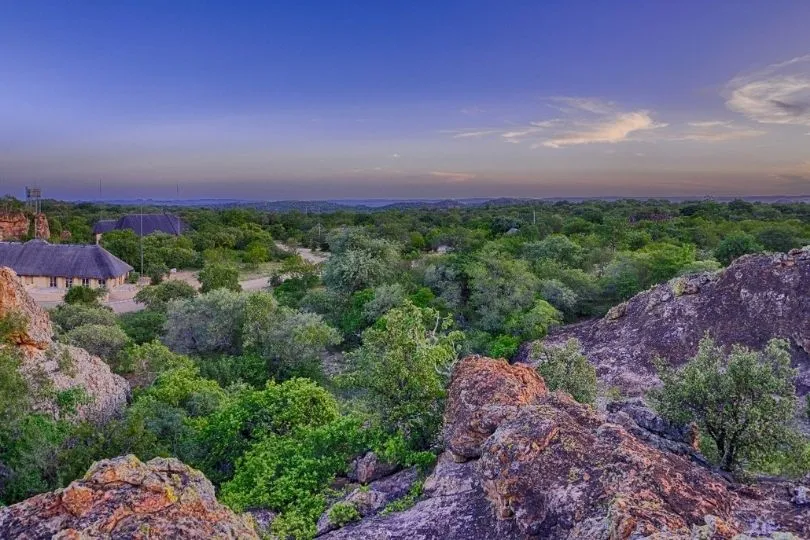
(471,111)
(778,94)
(591,105)
(717,131)
(583,121)
(452,177)
(615,129)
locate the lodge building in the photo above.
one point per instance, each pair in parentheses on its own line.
(41,264)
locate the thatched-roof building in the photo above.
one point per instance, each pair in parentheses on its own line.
(142,225)
(40,264)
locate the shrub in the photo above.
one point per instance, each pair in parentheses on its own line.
(106,342)
(343,513)
(565,368)
(84,295)
(157,297)
(744,401)
(142,326)
(70,316)
(736,245)
(219,276)
(399,368)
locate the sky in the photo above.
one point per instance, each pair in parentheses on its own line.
(393,99)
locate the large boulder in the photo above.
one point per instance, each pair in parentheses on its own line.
(483,393)
(15,300)
(51,367)
(756,298)
(125,498)
(553,468)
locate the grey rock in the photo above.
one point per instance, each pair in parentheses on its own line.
(758,297)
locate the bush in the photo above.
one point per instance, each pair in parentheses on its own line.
(565,368)
(142,363)
(504,346)
(84,295)
(207,324)
(70,316)
(736,245)
(106,342)
(219,276)
(343,513)
(399,368)
(142,326)
(744,401)
(157,297)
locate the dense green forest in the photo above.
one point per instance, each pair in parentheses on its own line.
(271,393)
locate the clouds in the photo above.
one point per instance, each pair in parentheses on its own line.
(452,177)
(716,131)
(778,94)
(582,121)
(617,128)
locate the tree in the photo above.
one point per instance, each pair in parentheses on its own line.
(124,244)
(219,276)
(399,367)
(556,247)
(777,238)
(84,295)
(358,261)
(744,401)
(534,323)
(157,297)
(106,342)
(565,368)
(735,245)
(206,324)
(291,341)
(500,287)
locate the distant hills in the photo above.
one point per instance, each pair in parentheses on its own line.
(372,205)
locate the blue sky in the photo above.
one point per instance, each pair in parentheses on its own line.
(404,99)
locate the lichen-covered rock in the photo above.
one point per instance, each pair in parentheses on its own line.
(758,297)
(127,499)
(15,300)
(483,393)
(371,499)
(50,367)
(14,225)
(556,469)
(368,468)
(453,507)
(41,228)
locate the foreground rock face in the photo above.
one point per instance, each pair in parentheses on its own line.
(756,298)
(124,498)
(549,467)
(52,367)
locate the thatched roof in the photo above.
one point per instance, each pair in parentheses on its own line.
(143,224)
(39,258)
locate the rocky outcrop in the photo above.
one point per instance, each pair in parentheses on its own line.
(370,500)
(14,300)
(17,226)
(52,368)
(756,298)
(548,467)
(124,498)
(14,226)
(41,228)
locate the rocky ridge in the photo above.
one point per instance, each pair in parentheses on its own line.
(17,225)
(51,367)
(127,499)
(756,298)
(522,462)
